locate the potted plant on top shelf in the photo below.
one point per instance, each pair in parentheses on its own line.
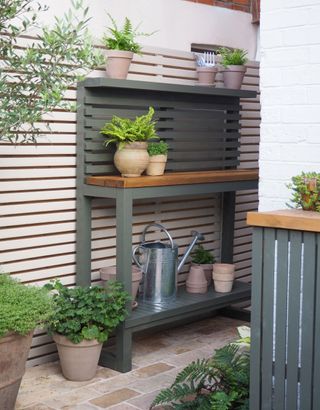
(131,136)
(121,44)
(82,320)
(158,153)
(234,68)
(23,308)
(306,191)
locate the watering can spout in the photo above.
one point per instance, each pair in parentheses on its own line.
(197,236)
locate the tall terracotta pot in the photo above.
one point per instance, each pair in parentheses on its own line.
(118,63)
(233,76)
(78,361)
(132,160)
(14,351)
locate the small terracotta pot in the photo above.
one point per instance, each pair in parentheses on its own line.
(157,164)
(118,63)
(207,268)
(132,159)
(109,273)
(196,281)
(79,361)
(223,277)
(233,76)
(206,75)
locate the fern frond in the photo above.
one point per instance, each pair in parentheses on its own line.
(173,394)
(194,371)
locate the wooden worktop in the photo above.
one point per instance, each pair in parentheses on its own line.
(175,178)
(295,219)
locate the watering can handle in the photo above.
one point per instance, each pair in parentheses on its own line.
(162,228)
(134,257)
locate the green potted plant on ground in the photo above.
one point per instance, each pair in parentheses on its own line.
(121,44)
(131,136)
(82,320)
(22,309)
(158,153)
(306,191)
(234,69)
(205,259)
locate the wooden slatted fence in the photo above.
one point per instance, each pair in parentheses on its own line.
(37,195)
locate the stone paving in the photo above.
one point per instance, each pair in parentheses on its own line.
(156,361)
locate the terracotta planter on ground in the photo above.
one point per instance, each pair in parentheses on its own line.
(157,165)
(196,281)
(233,76)
(78,361)
(109,273)
(206,75)
(118,63)
(132,159)
(14,351)
(223,277)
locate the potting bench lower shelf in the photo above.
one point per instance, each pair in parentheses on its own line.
(124,191)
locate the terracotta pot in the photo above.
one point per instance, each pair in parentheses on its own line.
(233,76)
(132,159)
(109,273)
(223,277)
(207,268)
(157,164)
(118,63)
(14,351)
(78,361)
(206,75)
(196,281)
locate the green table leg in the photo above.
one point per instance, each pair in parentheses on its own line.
(83,241)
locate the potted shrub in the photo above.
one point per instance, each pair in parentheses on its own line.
(234,69)
(82,320)
(22,309)
(306,191)
(158,153)
(223,276)
(121,44)
(131,136)
(205,259)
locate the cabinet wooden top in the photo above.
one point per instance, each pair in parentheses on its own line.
(175,178)
(295,219)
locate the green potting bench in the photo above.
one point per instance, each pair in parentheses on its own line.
(201,126)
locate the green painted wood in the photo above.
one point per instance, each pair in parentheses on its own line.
(256,319)
(307,322)
(227,232)
(281,319)
(316,348)
(293,318)
(164,87)
(267,319)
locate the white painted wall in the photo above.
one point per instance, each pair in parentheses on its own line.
(179,23)
(290,96)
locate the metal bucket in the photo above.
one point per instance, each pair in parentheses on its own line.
(158,261)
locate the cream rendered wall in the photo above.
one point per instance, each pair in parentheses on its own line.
(290,96)
(179,23)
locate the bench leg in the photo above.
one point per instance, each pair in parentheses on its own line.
(83,241)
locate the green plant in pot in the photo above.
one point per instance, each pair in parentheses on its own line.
(234,68)
(121,44)
(158,153)
(82,320)
(205,259)
(131,137)
(306,191)
(22,309)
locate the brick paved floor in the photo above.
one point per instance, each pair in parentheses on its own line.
(156,361)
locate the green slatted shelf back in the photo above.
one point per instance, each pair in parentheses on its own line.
(201,128)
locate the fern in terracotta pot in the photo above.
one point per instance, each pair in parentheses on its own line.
(234,68)
(121,44)
(131,137)
(205,259)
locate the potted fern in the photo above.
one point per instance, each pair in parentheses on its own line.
(205,259)
(131,158)
(234,68)
(158,153)
(82,319)
(121,44)
(23,308)
(306,191)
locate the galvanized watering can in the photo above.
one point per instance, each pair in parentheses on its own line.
(159,263)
